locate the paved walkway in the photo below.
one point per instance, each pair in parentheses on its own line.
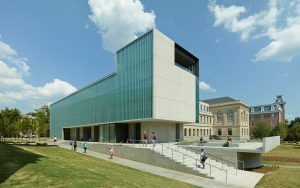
(282,166)
(175,175)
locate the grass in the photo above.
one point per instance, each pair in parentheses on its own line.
(50,166)
(284,154)
(282,177)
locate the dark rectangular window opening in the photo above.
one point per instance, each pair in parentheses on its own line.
(229,131)
(219,132)
(186,60)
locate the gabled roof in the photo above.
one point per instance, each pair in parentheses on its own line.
(219,100)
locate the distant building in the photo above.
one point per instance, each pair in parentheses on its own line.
(202,129)
(230,117)
(270,114)
(220,117)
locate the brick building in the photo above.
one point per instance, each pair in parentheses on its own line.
(270,114)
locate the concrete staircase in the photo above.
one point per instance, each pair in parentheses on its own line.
(216,170)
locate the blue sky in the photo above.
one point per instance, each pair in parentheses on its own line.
(248,50)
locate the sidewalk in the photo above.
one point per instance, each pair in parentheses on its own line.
(175,175)
(281,166)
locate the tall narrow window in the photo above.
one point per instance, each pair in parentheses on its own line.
(230,116)
(184,132)
(219,116)
(229,131)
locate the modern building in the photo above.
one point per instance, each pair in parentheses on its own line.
(230,117)
(270,114)
(195,131)
(155,88)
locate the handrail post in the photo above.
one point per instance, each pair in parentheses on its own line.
(243,165)
(209,169)
(236,167)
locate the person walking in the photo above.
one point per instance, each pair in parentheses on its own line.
(55,139)
(145,138)
(111,151)
(203,157)
(71,145)
(153,138)
(75,145)
(84,147)
(201,140)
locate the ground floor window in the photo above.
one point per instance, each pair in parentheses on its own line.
(193,132)
(229,131)
(219,132)
(197,132)
(190,132)
(184,132)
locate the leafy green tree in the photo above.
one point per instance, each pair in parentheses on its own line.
(9,119)
(43,120)
(261,130)
(294,132)
(25,126)
(280,130)
(295,121)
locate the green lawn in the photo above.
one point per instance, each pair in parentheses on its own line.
(285,154)
(281,177)
(50,166)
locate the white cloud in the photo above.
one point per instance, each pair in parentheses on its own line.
(284,45)
(206,87)
(120,21)
(284,39)
(13,87)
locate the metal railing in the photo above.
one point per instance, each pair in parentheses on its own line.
(197,161)
(223,161)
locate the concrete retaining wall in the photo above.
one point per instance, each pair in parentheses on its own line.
(139,154)
(270,143)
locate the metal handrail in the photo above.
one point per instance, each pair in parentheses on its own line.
(225,161)
(184,154)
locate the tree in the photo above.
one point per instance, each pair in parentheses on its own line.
(294,132)
(9,119)
(261,130)
(43,120)
(280,130)
(293,122)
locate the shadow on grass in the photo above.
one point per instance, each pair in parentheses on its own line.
(13,159)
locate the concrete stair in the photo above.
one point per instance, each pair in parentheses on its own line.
(213,169)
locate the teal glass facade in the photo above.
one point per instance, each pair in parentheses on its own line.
(124,95)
